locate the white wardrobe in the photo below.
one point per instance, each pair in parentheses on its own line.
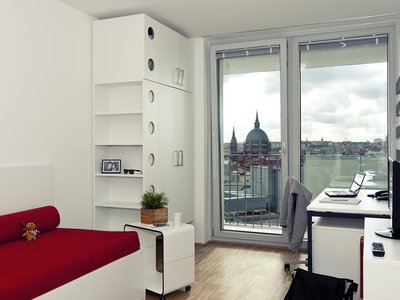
(142,115)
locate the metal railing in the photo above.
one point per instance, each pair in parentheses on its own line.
(253,188)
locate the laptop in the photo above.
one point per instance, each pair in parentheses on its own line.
(352,191)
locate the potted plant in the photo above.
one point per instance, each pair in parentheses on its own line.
(154,208)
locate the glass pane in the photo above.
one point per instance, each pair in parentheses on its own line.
(250,139)
(344,112)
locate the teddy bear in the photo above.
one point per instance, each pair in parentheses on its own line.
(30,231)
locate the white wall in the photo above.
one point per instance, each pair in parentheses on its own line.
(45,98)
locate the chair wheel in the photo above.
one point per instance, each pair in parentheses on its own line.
(287,267)
(188,288)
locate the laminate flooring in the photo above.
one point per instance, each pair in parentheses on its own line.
(238,272)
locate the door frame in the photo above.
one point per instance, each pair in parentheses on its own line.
(217,232)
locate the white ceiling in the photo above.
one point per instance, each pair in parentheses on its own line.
(195,18)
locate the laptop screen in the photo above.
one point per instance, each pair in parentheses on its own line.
(357,182)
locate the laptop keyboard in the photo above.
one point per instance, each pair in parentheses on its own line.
(340,193)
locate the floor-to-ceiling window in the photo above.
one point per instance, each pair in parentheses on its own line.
(344,111)
(320,113)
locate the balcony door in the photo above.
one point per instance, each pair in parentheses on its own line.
(249,125)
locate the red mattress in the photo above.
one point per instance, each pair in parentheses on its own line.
(30,269)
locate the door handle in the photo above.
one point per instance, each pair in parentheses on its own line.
(177,79)
(181,76)
(180,158)
(176,158)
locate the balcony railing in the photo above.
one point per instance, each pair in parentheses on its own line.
(253,187)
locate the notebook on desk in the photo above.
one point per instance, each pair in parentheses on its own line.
(348,200)
(353,189)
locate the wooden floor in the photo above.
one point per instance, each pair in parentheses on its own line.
(231,271)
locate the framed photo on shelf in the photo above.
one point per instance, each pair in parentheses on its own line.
(111,166)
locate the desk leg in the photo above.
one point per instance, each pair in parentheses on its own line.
(309,240)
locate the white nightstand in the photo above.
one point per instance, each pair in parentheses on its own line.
(170,249)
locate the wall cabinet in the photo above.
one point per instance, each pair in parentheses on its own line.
(136,47)
(141,115)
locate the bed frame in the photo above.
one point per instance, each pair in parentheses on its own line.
(127,282)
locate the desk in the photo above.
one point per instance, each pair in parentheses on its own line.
(368,207)
(380,273)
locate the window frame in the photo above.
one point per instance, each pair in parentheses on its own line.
(218,233)
(295,91)
(387,24)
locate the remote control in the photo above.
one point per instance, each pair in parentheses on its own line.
(377,249)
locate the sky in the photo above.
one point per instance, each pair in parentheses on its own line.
(337,103)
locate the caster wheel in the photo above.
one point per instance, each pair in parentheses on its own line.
(287,267)
(188,288)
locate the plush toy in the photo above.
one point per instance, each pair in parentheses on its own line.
(30,231)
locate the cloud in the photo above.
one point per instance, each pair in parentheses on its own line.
(337,103)
(346,102)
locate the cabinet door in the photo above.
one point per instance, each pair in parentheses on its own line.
(118,49)
(185,146)
(161,144)
(168,71)
(170,55)
(170,144)
(186,64)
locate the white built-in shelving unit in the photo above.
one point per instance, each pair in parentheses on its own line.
(142,115)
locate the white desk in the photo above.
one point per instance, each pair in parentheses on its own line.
(368,207)
(380,273)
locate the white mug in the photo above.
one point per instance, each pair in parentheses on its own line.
(177,219)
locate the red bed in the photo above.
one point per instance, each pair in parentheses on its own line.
(58,256)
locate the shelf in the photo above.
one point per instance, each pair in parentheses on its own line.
(105,114)
(154,281)
(118,99)
(118,83)
(120,144)
(120,175)
(119,204)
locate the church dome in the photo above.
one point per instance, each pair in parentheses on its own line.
(257,136)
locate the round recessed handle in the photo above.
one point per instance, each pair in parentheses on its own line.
(150,64)
(150,32)
(150,96)
(151,127)
(151,159)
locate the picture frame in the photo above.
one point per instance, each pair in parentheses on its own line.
(111,166)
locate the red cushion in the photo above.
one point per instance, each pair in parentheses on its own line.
(46,218)
(30,269)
